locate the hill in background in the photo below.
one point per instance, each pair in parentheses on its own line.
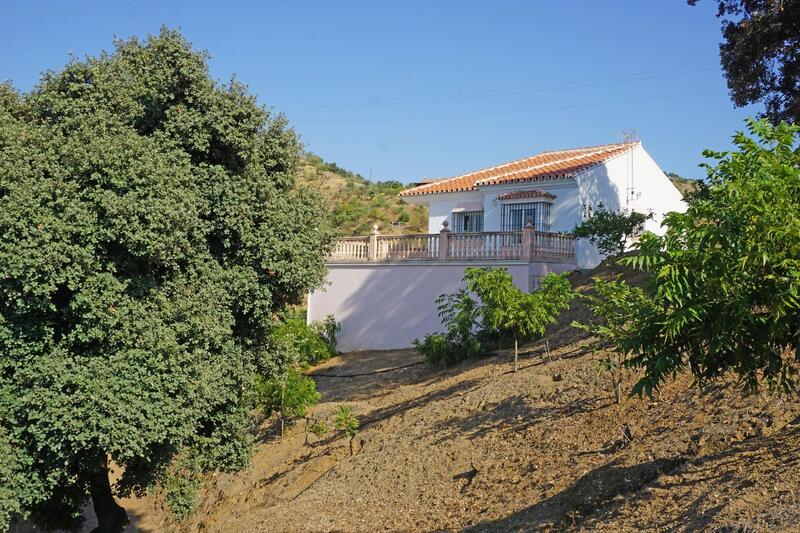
(358,203)
(684,185)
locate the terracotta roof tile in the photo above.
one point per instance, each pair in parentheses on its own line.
(543,166)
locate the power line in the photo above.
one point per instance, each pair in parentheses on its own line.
(499,113)
(494,92)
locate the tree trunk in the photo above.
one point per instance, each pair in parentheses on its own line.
(111,518)
(516,354)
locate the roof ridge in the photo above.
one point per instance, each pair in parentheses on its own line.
(540,165)
(591,147)
(557,158)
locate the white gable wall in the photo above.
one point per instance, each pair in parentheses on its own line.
(608,184)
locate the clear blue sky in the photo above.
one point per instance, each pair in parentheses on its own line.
(407,89)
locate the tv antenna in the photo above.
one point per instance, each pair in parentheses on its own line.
(630,136)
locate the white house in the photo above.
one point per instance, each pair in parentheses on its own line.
(556,190)
(515,215)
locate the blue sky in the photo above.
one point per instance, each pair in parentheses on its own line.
(410,89)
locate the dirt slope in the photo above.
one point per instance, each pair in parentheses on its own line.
(479,447)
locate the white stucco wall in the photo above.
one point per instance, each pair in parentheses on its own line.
(386,306)
(440,206)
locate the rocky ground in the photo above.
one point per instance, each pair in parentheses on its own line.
(479,447)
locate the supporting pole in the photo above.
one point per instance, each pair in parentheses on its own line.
(516,354)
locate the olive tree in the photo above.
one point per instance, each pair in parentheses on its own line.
(151,233)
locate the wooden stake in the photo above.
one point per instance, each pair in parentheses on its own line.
(516,354)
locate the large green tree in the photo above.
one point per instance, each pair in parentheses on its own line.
(151,231)
(724,294)
(760,54)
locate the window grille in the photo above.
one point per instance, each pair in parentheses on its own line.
(468,221)
(515,216)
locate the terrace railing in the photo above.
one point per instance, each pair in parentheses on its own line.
(527,245)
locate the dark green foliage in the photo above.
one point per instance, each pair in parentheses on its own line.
(346,421)
(610,231)
(724,294)
(151,230)
(760,54)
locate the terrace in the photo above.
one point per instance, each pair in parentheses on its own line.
(527,245)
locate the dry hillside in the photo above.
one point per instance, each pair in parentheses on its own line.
(358,203)
(478,447)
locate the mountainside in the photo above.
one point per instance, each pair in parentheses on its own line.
(684,185)
(478,447)
(358,203)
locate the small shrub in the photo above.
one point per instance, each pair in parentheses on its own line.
(328,329)
(180,494)
(346,420)
(610,231)
(314,343)
(507,310)
(460,316)
(289,395)
(319,429)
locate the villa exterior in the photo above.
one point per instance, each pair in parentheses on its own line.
(516,215)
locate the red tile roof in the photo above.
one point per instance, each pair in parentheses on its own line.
(532,193)
(543,166)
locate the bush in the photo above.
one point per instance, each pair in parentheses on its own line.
(313,343)
(289,395)
(610,231)
(507,310)
(504,310)
(460,316)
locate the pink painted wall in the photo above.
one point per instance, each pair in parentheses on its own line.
(386,306)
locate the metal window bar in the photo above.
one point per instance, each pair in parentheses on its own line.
(515,216)
(468,222)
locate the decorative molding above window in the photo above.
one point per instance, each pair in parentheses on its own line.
(531,193)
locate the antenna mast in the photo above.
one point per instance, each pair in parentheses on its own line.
(630,136)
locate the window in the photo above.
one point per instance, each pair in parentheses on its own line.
(515,216)
(468,221)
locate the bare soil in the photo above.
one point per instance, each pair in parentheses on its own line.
(479,447)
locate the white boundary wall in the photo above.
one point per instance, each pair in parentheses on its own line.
(384,306)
